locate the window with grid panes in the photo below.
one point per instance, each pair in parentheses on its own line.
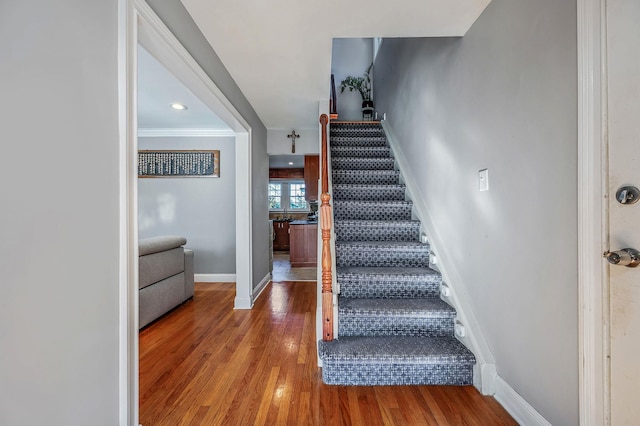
(287,195)
(275,196)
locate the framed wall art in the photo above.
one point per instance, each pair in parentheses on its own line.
(195,163)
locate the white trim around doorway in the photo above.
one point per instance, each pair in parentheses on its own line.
(138,23)
(594,388)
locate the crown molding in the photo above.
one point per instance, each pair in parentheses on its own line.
(197,133)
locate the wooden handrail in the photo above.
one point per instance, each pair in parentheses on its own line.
(325,223)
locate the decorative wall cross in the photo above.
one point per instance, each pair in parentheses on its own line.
(293,137)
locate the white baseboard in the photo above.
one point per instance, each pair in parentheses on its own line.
(257,291)
(484,378)
(515,405)
(247,302)
(215,278)
(242,303)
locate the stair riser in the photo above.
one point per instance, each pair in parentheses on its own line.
(382,257)
(358,141)
(383,232)
(354,324)
(354,132)
(364,211)
(393,214)
(366,177)
(359,193)
(360,152)
(376,374)
(385,290)
(355,163)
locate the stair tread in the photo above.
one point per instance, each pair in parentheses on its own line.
(384,270)
(381,192)
(366,172)
(386,244)
(362,163)
(371,186)
(372,204)
(360,152)
(431,307)
(396,349)
(371,222)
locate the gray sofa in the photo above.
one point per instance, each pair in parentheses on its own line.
(165,276)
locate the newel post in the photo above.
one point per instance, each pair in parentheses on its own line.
(325,223)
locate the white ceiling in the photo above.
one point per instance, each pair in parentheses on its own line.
(282,161)
(157,89)
(279,51)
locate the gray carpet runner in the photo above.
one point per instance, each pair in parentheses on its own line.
(393,327)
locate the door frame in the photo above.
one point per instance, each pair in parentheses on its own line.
(593,280)
(138,23)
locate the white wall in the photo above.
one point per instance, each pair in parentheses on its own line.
(200,209)
(350,56)
(279,144)
(59,210)
(178,20)
(504,98)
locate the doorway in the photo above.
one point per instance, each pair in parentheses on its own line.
(608,154)
(143,27)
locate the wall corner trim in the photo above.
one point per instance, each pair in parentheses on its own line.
(516,405)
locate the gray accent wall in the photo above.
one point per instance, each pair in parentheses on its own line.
(200,209)
(502,97)
(178,20)
(59,180)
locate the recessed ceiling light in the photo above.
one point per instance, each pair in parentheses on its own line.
(180,107)
(291,163)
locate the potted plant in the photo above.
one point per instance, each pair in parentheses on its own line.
(361,85)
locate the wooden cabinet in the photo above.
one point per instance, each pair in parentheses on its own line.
(280,235)
(286,173)
(311,175)
(304,245)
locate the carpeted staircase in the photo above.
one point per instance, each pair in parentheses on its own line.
(393,327)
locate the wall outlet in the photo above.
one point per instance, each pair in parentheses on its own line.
(483,180)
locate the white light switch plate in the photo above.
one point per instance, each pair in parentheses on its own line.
(483,180)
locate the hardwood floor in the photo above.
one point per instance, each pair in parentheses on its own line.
(207,364)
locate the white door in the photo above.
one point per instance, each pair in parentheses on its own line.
(623,80)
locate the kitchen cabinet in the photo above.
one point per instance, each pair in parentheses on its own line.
(311,175)
(280,235)
(286,173)
(304,245)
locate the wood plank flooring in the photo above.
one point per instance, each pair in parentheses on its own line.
(207,364)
